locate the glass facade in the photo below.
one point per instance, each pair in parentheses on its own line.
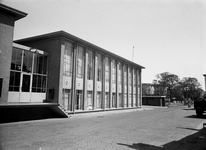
(102,82)
(120,100)
(80,78)
(114,74)
(129,87)
(90,77)
(28,75)
(67,75)
(68,59)
(107,82)
(134,87)
(125,86)
(99,82)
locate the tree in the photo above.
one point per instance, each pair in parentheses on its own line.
(168,81)
(191,88)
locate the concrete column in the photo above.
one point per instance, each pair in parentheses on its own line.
(117,84)
(103,82)
(85,79)
(95,80)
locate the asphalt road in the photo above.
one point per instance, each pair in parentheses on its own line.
(147,128)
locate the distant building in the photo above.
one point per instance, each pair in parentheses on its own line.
(153,94)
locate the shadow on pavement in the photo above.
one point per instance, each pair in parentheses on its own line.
(195,117)
(189,109)
(195,141)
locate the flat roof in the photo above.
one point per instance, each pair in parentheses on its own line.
(31,49)
(70,36)
(14,12)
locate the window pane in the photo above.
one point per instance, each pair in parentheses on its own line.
(80,63)
(90,66)
(99,70)
(40,64)
(27,61)
(113,71)
(68,59)
(16,59)
(14,82)
(107,71)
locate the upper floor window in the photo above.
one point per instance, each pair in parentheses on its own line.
(80,62)
(90,65)
(113,71)
(68,59)
(16,59)
(107,67)
(99,67)
(40,64)
(125,74)
(120,73)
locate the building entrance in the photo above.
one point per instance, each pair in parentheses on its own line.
(25,95)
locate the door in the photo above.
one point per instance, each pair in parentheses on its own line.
(25,93)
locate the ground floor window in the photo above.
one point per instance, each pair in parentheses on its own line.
(130,100)
(106,99)
(79,100)
(89,104)
(67,103)
(134,100)
(14,82)
(125,100)
(99,100)
(120,100)
(113,99)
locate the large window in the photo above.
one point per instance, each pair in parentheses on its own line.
(99,67)
(27,61)
(80,62)
(16,59)
(107,82)
(15,73)
(130,86)
(113,72)
(14,82)
(90,65)
(134,87)
(40,64)
(68,59)
(39,83)
(125,85)
(120,85)
(114,83)
(26,65)
(107,69)
(39,73)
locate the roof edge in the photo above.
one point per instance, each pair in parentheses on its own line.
(17,13)
(62,33)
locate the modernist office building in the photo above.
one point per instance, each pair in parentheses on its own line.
(64,69)
(80,76)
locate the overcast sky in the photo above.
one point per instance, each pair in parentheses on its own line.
(167,35)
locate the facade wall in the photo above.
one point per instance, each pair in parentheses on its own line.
(6,40)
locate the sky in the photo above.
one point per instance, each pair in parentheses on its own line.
(161,35)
